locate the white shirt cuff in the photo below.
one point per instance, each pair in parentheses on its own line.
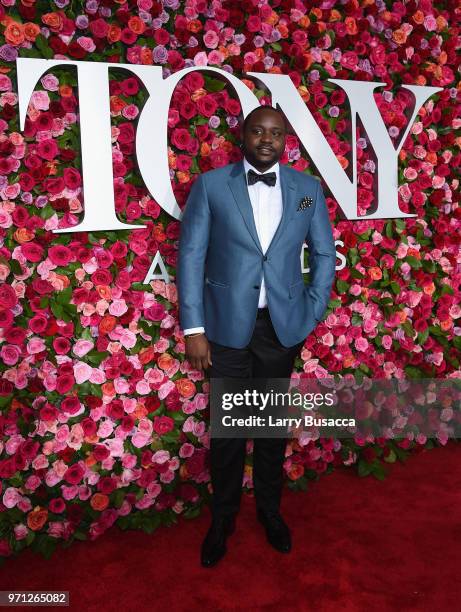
(194,330)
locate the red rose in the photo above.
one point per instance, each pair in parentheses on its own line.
(194,81)
(253,23)
(106,485)
(101,277)
(29,449)
(60,255)
(61,345)
(32,251)
(48,149)
(70,405)
(99,28)
(20,216)
(163,424)
(89,426)
(64,383)
(72,178)
(6,318)
(206,105)
(38,323)
(233,106)
(48,413)
(57,505)
(127,422)
(15,335)
(100,452)
(74,474)
(53,185)
(8,297)
(180,138)
(156,312)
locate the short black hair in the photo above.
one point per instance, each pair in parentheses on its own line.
(271,108)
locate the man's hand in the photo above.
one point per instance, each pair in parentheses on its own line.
(198,351)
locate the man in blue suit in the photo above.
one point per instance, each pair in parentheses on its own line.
(243,304)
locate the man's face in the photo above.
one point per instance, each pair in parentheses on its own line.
(264,139)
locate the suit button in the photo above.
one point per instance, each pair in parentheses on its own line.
(265,258)
(255,286)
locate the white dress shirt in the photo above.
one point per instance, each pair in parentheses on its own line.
(267,206)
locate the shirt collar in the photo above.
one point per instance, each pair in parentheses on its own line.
(275,168)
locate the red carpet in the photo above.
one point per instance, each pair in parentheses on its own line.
(359,544)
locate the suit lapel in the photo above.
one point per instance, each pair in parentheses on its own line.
(239,189)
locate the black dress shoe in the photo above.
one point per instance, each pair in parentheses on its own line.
(214,544)
(277,532)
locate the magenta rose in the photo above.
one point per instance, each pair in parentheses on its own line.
(106,485)
(60,255)
(126,133)
(70,405)
(100,452)
(156,312)
(181,138)
(15,335)
(38,323)
(48,149)
(163,424)
(72,178)
(32,251)
(101,277)
(20,216)
(64,383)
(206,106)
(57,505)
(8,297)
(74,474)
(61,345)
(6,318)
(53,185)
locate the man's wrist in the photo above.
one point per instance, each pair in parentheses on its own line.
(194,335)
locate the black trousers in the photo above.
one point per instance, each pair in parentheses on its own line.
(263,357)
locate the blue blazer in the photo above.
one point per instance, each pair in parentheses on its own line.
(221,261)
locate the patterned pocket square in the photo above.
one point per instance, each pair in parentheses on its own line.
(306,202)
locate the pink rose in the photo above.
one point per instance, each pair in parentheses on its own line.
(10,354)
(82,347)
(82,372)
(35,346)
(211,39)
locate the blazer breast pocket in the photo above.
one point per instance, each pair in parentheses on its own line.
(213,283)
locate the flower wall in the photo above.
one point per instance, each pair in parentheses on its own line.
(102,419)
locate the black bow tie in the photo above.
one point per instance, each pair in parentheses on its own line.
(270,178)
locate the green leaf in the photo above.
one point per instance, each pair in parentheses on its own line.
(57,310)
(342,286)
(212,84)
(96,357)
(414,263)
(395,287)
(42,45)
(64,296)
(363,468)
(15,266)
